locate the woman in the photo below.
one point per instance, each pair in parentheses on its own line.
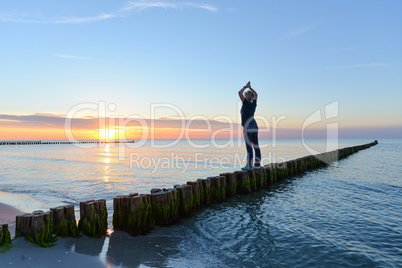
(250,127)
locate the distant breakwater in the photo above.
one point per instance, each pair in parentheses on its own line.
(59,142)
(137,214)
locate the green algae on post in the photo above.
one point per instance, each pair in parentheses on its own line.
(185,196)
(165,207)
(5,238)
(64,223)
(93,218)
(196,190)
(243,182)
(230,189)
(36,227)
(205,194)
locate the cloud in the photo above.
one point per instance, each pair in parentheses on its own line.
(120,13)
(44,121)
(71,57)
(39,121)
(300,31)
(75,20)
(141,5)
(357,66)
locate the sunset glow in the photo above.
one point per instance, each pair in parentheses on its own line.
(179,65)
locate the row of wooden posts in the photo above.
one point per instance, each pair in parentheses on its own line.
(59,142)
(137,214)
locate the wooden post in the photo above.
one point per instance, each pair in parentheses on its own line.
(155,190)
(147,214)
(288,168)
(139,214)
(37,227)
(309,162)
(274,172)
(242,182)
(120,212)
(300,166)
(260,177)
(215,188)
(205,195)
(294,167)
(230,184)
(184,193)
(195,186)
(253,180)
(223,187)
(64,223)
(165,207)
(268,175)
(5,236)
(280,170)
(174,204)
(93,217)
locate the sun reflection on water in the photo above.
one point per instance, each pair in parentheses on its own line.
(107,162)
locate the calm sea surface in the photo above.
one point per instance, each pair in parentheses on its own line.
(347,214)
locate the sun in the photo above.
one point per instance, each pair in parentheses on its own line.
(107,134)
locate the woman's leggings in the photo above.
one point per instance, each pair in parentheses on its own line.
(251,138)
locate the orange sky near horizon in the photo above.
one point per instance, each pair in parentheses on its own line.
(53,127)
(129,134)
(135,133)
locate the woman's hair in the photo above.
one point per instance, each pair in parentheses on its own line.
(249,96)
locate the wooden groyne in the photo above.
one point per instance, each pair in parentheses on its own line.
(138,214)
(59,142)
(5,236)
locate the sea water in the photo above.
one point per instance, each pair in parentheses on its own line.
(346,214)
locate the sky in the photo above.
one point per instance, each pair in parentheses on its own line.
(93,61)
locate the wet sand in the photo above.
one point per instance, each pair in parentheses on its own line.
(66,252)
(63,254)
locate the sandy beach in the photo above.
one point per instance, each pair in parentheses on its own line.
(7,215)
(114,250)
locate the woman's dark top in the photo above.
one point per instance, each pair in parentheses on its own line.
(247,113)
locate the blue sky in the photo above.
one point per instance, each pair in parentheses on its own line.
(299,56)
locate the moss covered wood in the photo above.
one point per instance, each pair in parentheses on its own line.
(139,215)
(230,184)
(146,213)
(242,182)
(215,189)
(223,187)
(205,193)
(36,227)
(120,212)
(64,223)
(5,236)
(196,188)
(165,207)
(93,218)
(184,193)
(260,177)
(273,169)
(268,174)
(253,180)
